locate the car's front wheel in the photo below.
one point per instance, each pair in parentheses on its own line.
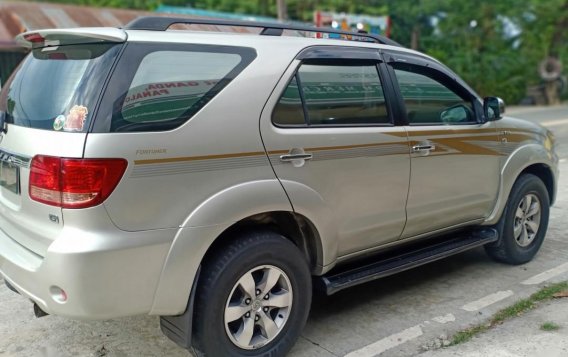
(253,297)
(524,222)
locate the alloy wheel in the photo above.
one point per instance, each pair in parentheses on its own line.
(527,219)
(258,307)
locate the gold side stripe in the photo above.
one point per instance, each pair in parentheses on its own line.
(198,158)
(517,138)
(455,143)
(400,134)
(526,131)
(256,153)
(452,130)
(344,147)
(468,148)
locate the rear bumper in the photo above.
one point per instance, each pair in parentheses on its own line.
(106,274)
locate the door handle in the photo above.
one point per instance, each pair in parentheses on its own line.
(423,147)
(291,157)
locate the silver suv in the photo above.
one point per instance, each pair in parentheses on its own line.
(215,179)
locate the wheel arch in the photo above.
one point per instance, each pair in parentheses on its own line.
(533,159)
(261,203)
(543,172)
(293,226)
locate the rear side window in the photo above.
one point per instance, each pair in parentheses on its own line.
(333,94)
(167,85)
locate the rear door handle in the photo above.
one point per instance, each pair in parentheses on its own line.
(423,147)
(291,157)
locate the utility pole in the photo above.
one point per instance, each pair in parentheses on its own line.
(282,10)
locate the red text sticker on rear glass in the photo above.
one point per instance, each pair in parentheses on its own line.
(76,118)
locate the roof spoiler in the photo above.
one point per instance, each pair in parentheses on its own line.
(60,37)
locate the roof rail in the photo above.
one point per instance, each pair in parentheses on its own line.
(162,23)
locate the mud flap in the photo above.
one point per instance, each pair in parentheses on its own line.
(179,328)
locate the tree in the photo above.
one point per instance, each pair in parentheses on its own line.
(480,41)
(495,45)
(547,21)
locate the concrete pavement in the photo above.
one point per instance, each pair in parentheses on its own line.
(519,337)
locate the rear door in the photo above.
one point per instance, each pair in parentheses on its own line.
(455,152)
(329,128)
(46,108)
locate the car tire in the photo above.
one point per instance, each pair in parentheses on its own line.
(229,321)
(524,222)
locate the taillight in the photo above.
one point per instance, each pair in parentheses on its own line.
(74,183)
(34,37)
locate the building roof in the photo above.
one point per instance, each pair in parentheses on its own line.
(18,17)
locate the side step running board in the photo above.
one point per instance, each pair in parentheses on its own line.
(337,281)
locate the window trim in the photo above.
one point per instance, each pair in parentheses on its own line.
(302,98)
(374,58)
(442,78)
(442,75)
(105,85)
(127,66)
(339,52)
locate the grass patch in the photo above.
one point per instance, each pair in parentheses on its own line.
(517,309)
(467,334)
(549,326)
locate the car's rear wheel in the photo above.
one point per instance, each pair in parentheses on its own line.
(524,222)
(253,297)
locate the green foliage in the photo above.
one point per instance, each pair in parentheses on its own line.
(474,42)
(467,334)
(549,326)
(126,4)
(547,19)
(487,55)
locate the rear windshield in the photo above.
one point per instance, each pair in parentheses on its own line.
(57,88)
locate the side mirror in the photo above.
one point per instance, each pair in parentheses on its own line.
(493,108)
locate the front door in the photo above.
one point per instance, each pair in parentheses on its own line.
(455,153)
(331,138)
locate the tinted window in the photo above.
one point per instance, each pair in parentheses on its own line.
(56,88)
(333,95)
(289,110)
(428,101)
(170,86)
